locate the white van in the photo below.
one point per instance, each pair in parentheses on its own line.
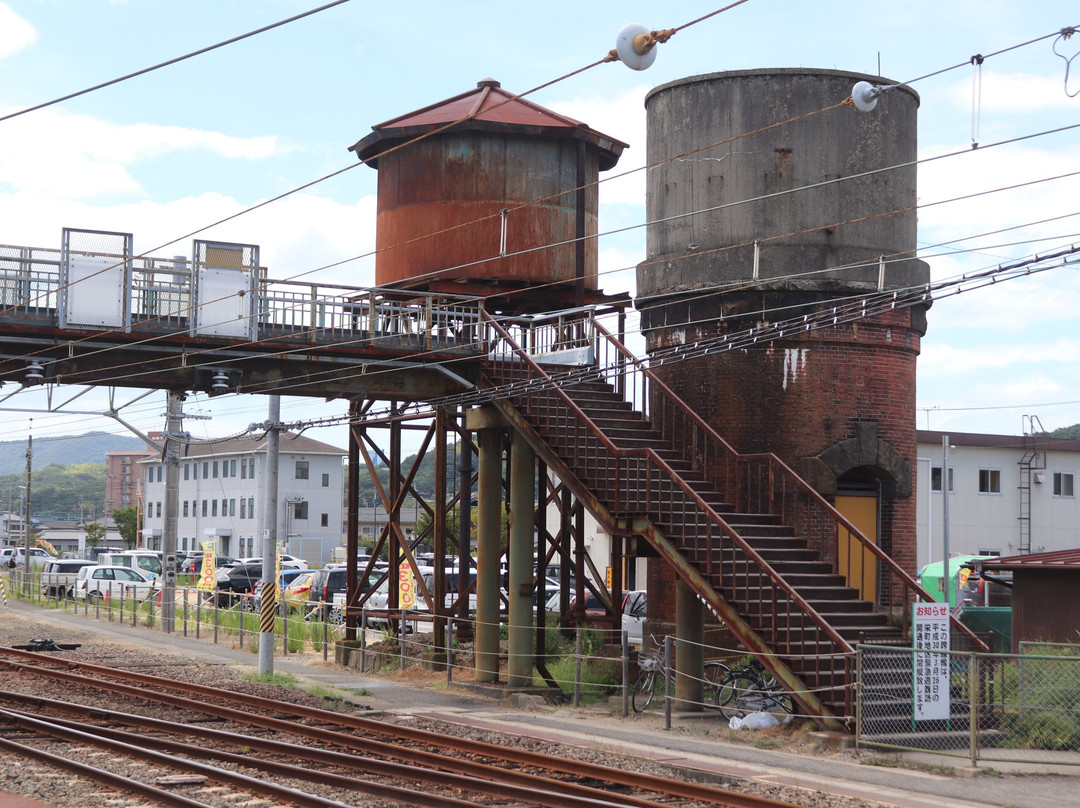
(145,561)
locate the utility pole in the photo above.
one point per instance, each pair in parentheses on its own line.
(170,456)
(26,519)
(269,570)
(945,515)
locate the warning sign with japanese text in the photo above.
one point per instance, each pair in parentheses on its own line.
(930,662)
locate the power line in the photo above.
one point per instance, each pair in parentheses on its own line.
(176,60)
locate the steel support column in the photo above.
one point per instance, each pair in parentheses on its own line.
(689,648)
(488,550)
(520,584)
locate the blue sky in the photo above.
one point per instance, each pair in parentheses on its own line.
(174,150)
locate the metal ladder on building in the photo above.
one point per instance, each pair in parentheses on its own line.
(1034,459)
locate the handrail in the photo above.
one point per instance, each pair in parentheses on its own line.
(801,484)
(652,457)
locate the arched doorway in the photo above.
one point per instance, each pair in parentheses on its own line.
(858,498)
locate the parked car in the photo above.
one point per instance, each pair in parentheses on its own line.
(145,561)
(287,562)
(232,582)
(15,556)
(58,576)
(194,565)
(633,615)
(97,582)
(295,593)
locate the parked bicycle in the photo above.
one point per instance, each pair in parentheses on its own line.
(652,672)
(750,688)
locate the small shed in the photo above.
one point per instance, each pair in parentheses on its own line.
(1045,597)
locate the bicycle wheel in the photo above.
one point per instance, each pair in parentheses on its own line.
(778,700)
(743,694)
(714,676)
(642,695)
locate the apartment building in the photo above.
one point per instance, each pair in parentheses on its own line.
(222,497)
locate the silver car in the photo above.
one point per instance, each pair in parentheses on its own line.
(99,582)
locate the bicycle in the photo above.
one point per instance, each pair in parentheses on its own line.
(651,667)
(752,689)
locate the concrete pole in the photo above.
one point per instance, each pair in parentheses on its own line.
(689,648)
(26,516)
(488,546)
(945,516)
(519,588)
(174,425)
(269,554)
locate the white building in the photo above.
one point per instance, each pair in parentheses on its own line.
(1008,495)
(222,498)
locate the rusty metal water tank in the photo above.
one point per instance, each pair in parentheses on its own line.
(474,190)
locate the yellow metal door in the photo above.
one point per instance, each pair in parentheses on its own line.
(857,564)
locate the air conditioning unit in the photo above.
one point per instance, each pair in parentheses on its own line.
(1040,478)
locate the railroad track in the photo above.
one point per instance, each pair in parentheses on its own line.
(266,752)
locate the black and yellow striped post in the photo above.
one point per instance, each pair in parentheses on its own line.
(268,608)
(3,593)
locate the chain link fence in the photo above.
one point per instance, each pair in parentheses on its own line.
(1021,707)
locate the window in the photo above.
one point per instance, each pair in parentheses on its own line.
(214,474)
(187,471)
(194,471)
(989,481)
(206,470)
(301,469)
(159,510)
(300,510)
(1063,484)
(213,507)
(232,507)
(251,507)
(326,481)
(935,479)
(160,469)
(243,469)
(224,507)
(324,520)
(150,474)
(185,507)
(204,506)
(243,508)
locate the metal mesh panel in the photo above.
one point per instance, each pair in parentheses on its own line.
(225,280)
(1004,707)
(95,276)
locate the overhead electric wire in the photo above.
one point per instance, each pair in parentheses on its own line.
(599,235)
(173,61)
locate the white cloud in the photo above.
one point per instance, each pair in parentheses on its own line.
(954,361)
(15,32)
(80,156)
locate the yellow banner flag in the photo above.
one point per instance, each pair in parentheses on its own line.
(406,588)
(208,573)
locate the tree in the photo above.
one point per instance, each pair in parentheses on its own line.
(95,532)
(127,522)
(1067,432)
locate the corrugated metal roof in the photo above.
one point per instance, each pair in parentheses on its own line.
(1045,442)
(1058,559)
(487,108)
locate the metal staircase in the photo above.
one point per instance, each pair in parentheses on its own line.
(752,539)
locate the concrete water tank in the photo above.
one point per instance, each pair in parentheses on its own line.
(773,157)
(441,199)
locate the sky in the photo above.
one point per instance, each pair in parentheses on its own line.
(179,148)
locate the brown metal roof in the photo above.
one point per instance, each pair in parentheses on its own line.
(289,442)
(1058,559)
(1044,442)
(488,108)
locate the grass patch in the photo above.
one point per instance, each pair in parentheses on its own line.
(285,680)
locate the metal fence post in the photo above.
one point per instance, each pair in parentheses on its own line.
(449,650)
(625,674)
(858,693)
(577,667)
(973,706)
(667,685)
(363,639)
(401,640)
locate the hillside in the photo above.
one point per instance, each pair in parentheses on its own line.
(67,450)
